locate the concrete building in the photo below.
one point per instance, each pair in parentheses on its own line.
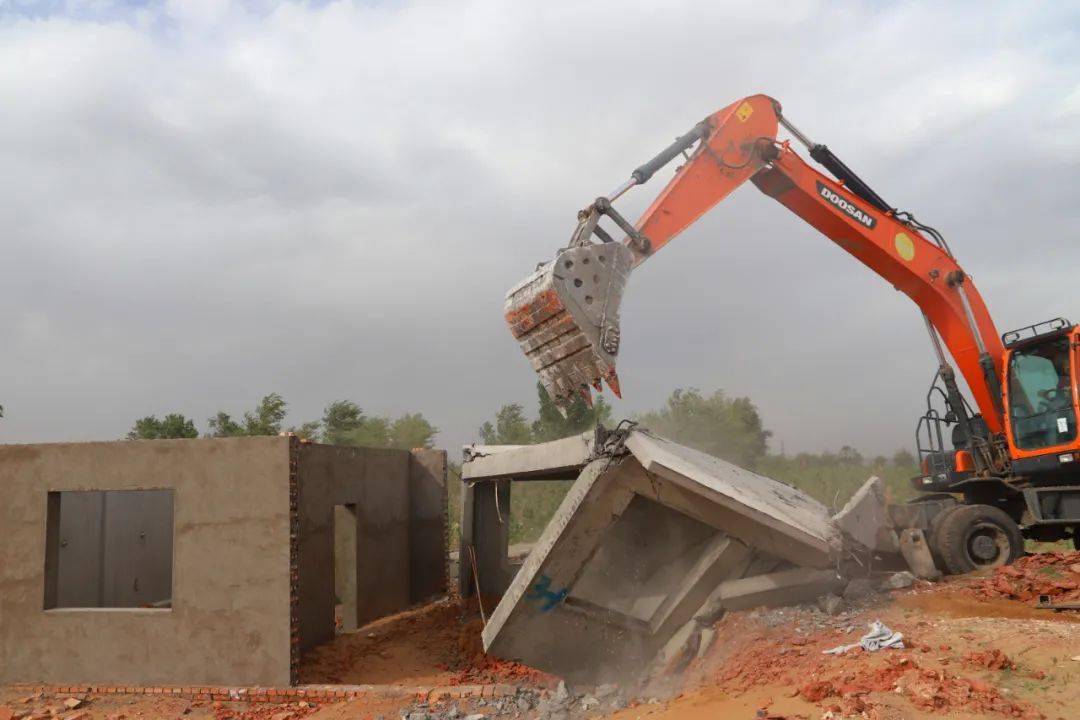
(206,562)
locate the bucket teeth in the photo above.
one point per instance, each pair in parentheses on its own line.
(565,316)
(613,383)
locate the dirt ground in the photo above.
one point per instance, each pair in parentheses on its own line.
(434,645)
(975,647)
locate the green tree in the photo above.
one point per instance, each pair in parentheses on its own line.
(267,417)
(849,456)
(222,425)
(511,427)
(721,426)
(344,423)
(307,431)
(412,430)
(173,425)
(373,432)
(551,424)
(341,419)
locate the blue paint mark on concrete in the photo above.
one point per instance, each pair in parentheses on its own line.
(542,591)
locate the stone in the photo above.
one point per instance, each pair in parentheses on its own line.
(898,581)
(562,694)
(72,703)
(916,552)
(831,604)
(860,589)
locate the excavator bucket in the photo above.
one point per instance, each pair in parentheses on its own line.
(566,314)
(566,318)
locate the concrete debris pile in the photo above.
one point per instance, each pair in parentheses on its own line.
(651,545)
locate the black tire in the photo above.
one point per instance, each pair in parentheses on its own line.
(933,539)
(976,537)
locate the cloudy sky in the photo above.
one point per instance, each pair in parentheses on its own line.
(202,202)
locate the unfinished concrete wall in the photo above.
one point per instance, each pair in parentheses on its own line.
(229,623)
(429,527)
(399,499)
(376,482)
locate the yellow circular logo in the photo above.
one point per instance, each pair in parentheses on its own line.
(904,246)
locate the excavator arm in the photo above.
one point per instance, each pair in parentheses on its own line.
(565,315)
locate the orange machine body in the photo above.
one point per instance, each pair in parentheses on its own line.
(743,147)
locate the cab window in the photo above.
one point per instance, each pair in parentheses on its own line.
(1040,395)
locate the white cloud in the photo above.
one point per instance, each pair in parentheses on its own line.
(204,202)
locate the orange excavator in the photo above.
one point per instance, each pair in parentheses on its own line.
(1013,468)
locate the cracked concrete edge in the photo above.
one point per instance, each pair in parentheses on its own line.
(551,460)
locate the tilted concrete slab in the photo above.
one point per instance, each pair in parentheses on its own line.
(643,539)
(783,512)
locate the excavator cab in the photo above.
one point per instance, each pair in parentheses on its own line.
(1041,398)
(1042,403)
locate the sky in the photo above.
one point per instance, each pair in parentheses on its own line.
(204,202)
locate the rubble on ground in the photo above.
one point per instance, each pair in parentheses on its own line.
(1055,574)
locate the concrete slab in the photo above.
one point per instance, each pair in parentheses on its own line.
(646,535)
(790,513)
(558,460)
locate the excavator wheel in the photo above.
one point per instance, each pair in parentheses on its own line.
(933,540)
(975,537)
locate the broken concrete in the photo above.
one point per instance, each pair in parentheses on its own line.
(651,534)
(557,460)
(865,518)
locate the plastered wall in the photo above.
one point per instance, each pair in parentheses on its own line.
(229,623)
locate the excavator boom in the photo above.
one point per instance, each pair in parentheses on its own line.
(566,315)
